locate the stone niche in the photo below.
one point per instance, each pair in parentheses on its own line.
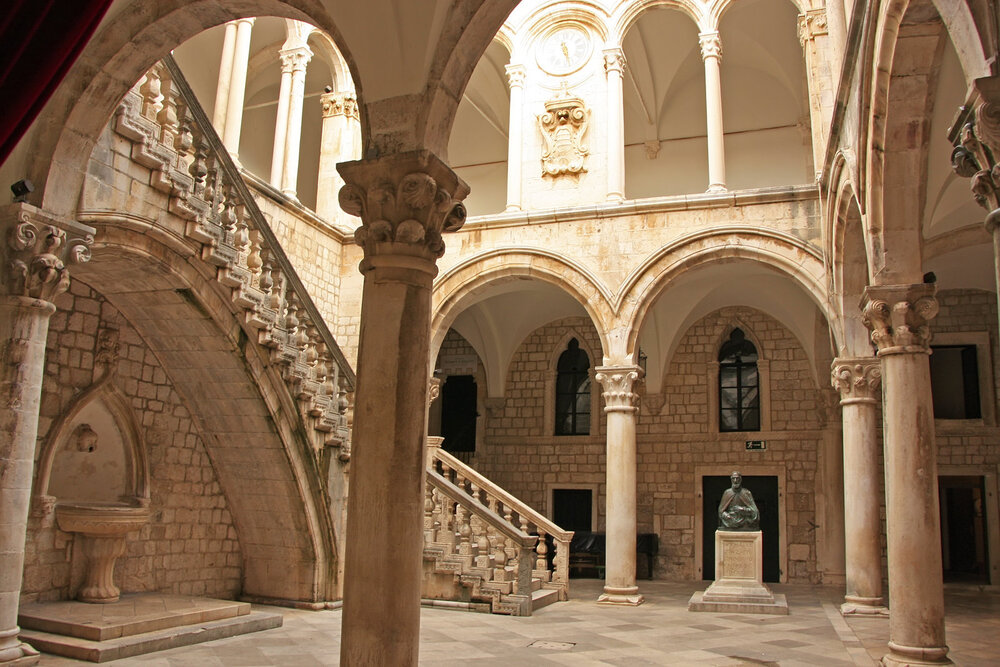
(93,481)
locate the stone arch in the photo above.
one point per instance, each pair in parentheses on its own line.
(898,133)
(849,271)
(458,287)
(105,392)
(120,53)
(965,37)
(331,55)
(787,255)
(247,417)
(719,7)
(625,17)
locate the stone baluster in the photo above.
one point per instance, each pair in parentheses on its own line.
(463,532)
(151,91)
(35,252)
(620,405)
(859,382)
(405,202)
(898,317)
(541,550)
(711,53)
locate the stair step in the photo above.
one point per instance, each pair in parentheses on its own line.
(133,614)
(543,597)
(148,642)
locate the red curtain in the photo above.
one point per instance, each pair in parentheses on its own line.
(39,41)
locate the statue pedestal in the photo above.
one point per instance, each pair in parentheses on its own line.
(739,581)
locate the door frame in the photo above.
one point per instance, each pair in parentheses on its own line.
(772,470)
(991,507)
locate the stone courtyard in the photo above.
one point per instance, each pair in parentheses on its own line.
(580,632)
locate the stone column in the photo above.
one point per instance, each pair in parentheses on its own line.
(812,32)
(237,86)
(281,125)
(515,136)
(711,53)
(898,315)
(405,201)
(859,382)
(614,66)
(296,59)
(620,404)
(836,21)
(225,77)
(35,250)
(340,141)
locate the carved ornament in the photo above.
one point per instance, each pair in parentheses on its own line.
(857,380)
(515,75)
(296,59)
(37,250)
(897,316)
(711,45)
(812,24)
(564,126)
(977,147)
(340,104)
(618,382)
(405,202)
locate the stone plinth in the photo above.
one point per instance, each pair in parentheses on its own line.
(739,578)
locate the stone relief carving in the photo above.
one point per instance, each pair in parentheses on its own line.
(564,127)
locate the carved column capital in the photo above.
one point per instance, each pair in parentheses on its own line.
(977,146)
(614,60)
(811,25)
(295,59)
(897,316)
(433,390)
(515,75)
(859,380)
(711,45)
(617,382)
(340,104)
(37,249)
(405,202)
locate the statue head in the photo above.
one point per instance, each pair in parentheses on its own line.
(737,479)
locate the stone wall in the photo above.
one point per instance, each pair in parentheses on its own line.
(190,545)
(677,433)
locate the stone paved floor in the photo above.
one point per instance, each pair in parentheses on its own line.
(580,632)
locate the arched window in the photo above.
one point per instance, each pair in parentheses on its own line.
(573,391)
(739,385)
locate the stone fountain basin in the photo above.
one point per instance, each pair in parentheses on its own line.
(101,519)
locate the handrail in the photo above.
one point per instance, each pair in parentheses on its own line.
(507,499)
(247,199)
(456,494)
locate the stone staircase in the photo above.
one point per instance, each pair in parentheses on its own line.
(484,549)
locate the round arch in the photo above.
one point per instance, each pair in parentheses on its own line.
(465,283)
(849,272)
(118,55)
(786,255)
(626,16)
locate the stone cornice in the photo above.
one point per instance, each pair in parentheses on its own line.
(859,380)
(618,382)
(405,202)
(897,316)
(37,249)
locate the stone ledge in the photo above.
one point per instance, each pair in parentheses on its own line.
(778,608)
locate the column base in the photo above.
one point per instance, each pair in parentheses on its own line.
(621,596)
(18,653)
(713,189)
(858,606)
(512,208)
(913,656)
(615,198)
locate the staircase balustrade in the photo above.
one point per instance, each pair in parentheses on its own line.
(172,136)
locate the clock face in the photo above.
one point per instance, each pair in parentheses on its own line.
(564,50)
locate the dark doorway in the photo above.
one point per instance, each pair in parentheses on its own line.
(964,542)
(458,413)
(765,494)
(572,509)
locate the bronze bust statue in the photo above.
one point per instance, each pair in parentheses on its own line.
(737,511)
